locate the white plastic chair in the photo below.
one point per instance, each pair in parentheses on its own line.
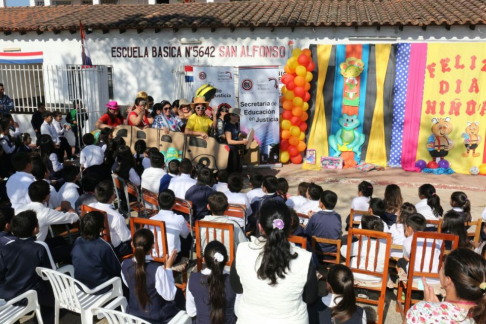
(181,318)
(72,295)
(116,317)
(10,314)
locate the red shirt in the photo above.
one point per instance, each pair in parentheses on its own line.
(142,123)
(105,119)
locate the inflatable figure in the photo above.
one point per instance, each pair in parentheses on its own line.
(439,144)
(172,154)
(347,139)
(350,70)
(471,139)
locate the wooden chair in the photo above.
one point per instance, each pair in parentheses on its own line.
(151,199)
(428,242)
(436,223)
(476,235)
(352,215)
(298,240)
(370,241)
(128,189)
(184,207)
(105,235)
(336,255)
(237,211)
(217,232)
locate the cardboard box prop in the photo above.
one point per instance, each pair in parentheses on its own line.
(252,156)
(207,152)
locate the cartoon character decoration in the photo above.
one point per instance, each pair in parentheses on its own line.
(172,154)
(471,139)
(439,144)
(348,140)
(350,70)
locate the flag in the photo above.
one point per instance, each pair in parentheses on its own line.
(189,73)
(84,48)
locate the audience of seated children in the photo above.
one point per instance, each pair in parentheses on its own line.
(393,201)
(453,223)
(296,202)
(61,130)
(40,172)
(222,181)
(6,215)
(325,223)
(209,297)
(47,128)
(177,231)
(377,209)
(151,285)
(24,143)
(8,146)
(125,166)
(151,176)
(119,232)
(461,205)
(91,153)
(341,300)
(200,192)
(429,205)
(269,188)
(312,204)
(88,184)
(70,190)
(362,202)
(50,158)
(179,185)
(255,182)
(18,261)
(368,254)
(93,259)
(283,188)
(19,182)
(235,196)
(172,172)
(397,230)
(217,205)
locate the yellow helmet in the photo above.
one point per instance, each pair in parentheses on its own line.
(207,91)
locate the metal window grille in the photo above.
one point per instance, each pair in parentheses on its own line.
(111,91)
(109,2)
(62,3)
(87,2)
(39,3)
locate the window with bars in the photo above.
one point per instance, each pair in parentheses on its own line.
(61,3)
(75,82)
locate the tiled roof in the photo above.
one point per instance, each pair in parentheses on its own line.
(293,13)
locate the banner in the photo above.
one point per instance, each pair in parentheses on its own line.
(220,77)
(259,103)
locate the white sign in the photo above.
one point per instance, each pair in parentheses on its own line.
(220,77)
(259,103)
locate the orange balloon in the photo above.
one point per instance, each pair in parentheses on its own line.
(285,134)
(287,69)
(307,86)
(304,116)
(301,146)
(296,159)
(288,105)
(294,140)
(299,81)
(307,52)
(297,111)
(293,151)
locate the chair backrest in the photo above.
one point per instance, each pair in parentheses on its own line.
(184,207)
(299,240)
(10,314)
(150,201)
(158,228)
(337,255)
(352,217)
(434,222)
(429,244)
(369,249)
(207,232)
(116,317)
(236,210)
(106,224)
(121,185)
(476,235)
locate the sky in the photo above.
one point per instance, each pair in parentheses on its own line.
(15,3)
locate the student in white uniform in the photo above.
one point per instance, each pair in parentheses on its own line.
(222,178)
(179,185)
(151,176)
(295,202)
(362,202)
(256,182)
(429,205)
(312,204)
(397,230)
(235,196)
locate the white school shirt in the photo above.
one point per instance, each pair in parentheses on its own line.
(371,258)
(49,129)
(56,165)
(331,300)
(309,205)
(175,226)
(296,202)
(59,129)
(255,193)
(69,192)
(53,199)
(164,281)
(91,155)
(151,178)
(426,211)
(398,237)
(14,132)
(119,231)
(407,249)
(240,199)
(181,184)
(47,217)
(360,203)
(18,188)
(221,187)
(8,146)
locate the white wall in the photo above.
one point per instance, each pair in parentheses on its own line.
(154,74)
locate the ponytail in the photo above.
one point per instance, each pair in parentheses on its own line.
(460,200)
(215,257)
(341,280)
(428,191)
(366,189)
(143,240)
(276,222)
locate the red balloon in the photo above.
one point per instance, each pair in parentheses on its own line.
(303,126)
(311,66)
(303,60)
(291,85)
(297,159)
(293,151)
(295,120)
(299,92)
(306,96)
(287,114)
(284,145)
(432,165)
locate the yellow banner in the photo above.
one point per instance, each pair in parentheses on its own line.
(453,121)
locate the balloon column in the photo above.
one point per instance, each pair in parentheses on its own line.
(295,95)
